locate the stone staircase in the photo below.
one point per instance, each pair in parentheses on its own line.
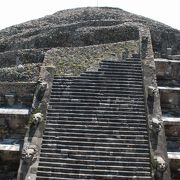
(96,125)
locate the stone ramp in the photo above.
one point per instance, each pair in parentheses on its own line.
(96,126)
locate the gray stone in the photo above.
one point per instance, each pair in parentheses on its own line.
(10,98)
(37,118)
(156,125)
(29,153)
(169,51)
(160,164)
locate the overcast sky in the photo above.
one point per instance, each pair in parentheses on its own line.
(17,11)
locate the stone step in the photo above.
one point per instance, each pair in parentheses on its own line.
(122,62)
(107,77)
(111,66)
(95,133)
(119,70)
(126,61)
(174,155)
(174,57)
(116,97)
(93,130)
(100,111)
(127,142)
(15,111)
(96,108)
(98,86)
(168,61)
(111,75)
(171,120)
(97,138)
(126,64)
(123,146)
(98,80)
(115,134)
(107,96)
(109,162)
(52,152)
(120,90)
(92,166)
(79,104)
(167,88)
(11,145)
(99,120)
(87,85)
(109,100)
(96,91)
(94,126)
(83,164)
(100,115)
(90,147)
(98,167)
(53,178)
(123,118)
(94,170)
(82,175)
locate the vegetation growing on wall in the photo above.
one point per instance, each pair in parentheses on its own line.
(29,72)
(75,60)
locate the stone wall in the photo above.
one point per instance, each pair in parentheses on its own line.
(168,69)
(9,161)
(170,100)
(76,34)
(19,73)
(13,126)
(161,41)
(23,92)
(13,58)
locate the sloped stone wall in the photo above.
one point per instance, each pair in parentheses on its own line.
(19,73)
(13,58)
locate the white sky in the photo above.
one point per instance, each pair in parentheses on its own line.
(17,11)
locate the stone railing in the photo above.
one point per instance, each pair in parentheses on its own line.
(157,139)
(33,138)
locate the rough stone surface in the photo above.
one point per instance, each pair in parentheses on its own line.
(69,32)
(85,26)
(158,141)
(18,57)
(20,73)
(75,60)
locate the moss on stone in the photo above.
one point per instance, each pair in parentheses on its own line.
(28,72)
(75,60)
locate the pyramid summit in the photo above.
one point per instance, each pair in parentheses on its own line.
(68,25)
